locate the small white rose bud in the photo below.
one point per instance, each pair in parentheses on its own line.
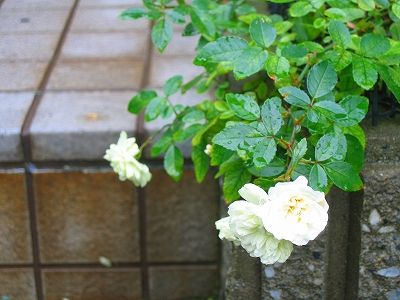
(208,149)
(253,194)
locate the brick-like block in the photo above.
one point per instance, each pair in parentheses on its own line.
(183,282)
(99,75)
(37,5)
(180,219)
(381,230)
(21,76)
(96,284)
(110,3)
(300,277)
(24,21)
(164,67)
(79,125)
(114,45)
(38,47)
(105,20)
(17,284)
(13,109)
(181,45)
(85,215)
(15,242)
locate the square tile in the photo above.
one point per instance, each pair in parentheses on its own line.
(85,215)
(101,75)
(79,125)
(13,109)
(184,282)
(81,284)
(15,242)
(105,20)
(21,76)
(105,46)
(17,284)
(38,47)
(36,5)
(164,67)
(180,219)
(23,21)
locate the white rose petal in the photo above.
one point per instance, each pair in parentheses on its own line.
(295,212)
(122,159)
(225,231)
(253,194)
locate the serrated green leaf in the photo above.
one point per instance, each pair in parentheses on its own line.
(317,178)
(141,100)
(231,136)
(244,106)
(274,168)
(340,33)
(186,132)
(219,155)
(277,66)
(201,161)
(203,22)
(134,13)
(300,9)
(374,45)
(341,151)
(298,152)
(249,62)
(326,147)
(321,79)
(367,5)
(295,96)
(161,34)
(344,176)
(391,78)
(173,162)
(294,51)
(262,33)
(162,144)
(364,72)
(344,14)
(355,153)
(172,85)
(271,115)
(357,132)
(331,110)
(340,58)
(264,152)
(396,9)
(155,108)
(356,108)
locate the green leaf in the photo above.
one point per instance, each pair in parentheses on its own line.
(155,108)
(274,168)
(231,136)
(294,51)
(331,110)
(298,152)
(271,115)
(364,72)
(244,106)
(374,45)
(172,85)
(367,5)
(134,13)
(186,132)
(357,132)
(356,108)
(277,66)
(161,34)
(162,144)
(341,151)
(355,153)
(139,101)
(340,33)
(223,49)
(326,147)
(264,152)
(321,79)
(201,161)
(396,9)
(340,58)
(203,22)
(249,62)
(295,96)
(264,183)
(318,179)
(262,33)
(391,78)
(219,155)
(234,179)
(300,9)
(173,162)
(344,14)
(344,176)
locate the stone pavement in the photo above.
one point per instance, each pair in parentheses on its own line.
(68,69)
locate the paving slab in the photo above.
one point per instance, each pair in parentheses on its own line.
(86,46)
(37,5)
(24,21)
(96,75)
(33,47)
(13,109)
(21,76)
(79,125)
(110,3)
(18,284)
(105,20)
(181,45)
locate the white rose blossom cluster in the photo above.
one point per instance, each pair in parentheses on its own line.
(122,158)
(267,225)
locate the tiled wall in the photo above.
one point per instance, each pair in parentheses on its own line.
(67,71)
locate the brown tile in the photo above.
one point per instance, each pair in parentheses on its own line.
(80,284)
(103,75)
(22,21)
(105,46)
(164,67)
(17,284)
(27,46)
(15,242)
(185,282)
(180,219)
(105,20)
(21,76)
(36,5)
(85,215)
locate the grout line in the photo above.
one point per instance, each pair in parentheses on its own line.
(26,146)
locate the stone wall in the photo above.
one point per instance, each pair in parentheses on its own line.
(357,256)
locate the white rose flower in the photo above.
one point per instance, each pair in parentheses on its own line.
(122,159)
(295,212)
(225,231)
